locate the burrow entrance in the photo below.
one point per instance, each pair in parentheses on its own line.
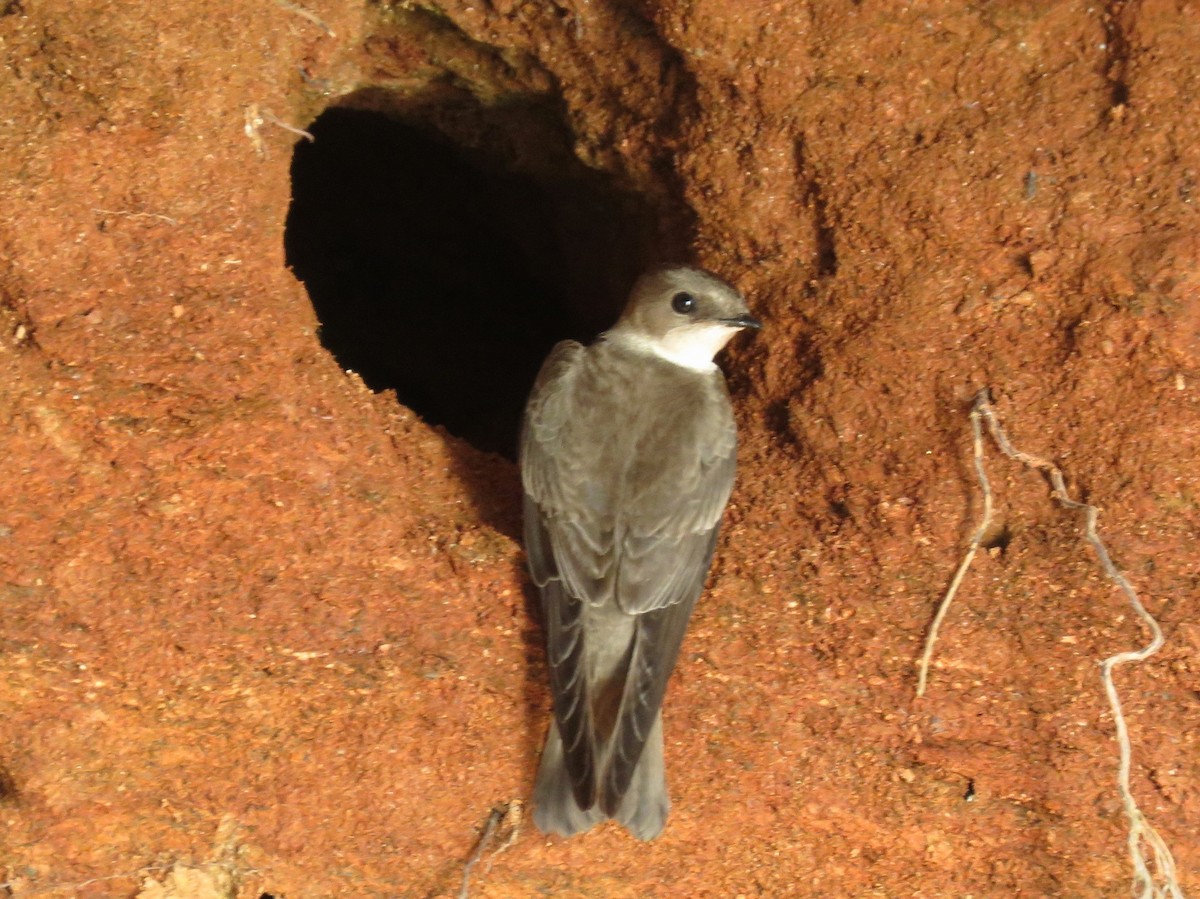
(446,247)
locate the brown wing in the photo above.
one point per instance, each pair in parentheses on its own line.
(647,550)
(664,551)
(562,613)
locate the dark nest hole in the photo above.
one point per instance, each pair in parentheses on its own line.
(446,247)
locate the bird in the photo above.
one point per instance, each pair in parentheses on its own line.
(627,456)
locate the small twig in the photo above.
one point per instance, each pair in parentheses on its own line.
(514,816)
(123,213)
(256,117)
(1140,829)
(305,14)
(489,829)
(268,117)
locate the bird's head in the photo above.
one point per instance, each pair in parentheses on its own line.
(684,315)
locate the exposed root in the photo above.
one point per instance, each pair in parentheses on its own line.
(510,816)
(985,521)
(256,117)
(1161,882)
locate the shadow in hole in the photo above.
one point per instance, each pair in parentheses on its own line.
(439,273)
(416,269)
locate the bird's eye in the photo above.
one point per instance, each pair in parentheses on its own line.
(683,303)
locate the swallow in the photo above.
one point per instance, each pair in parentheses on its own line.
(628,451)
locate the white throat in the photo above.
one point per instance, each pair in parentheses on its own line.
(689,346)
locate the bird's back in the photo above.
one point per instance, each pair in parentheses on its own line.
(624,433)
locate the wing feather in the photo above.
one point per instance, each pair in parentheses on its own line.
(562,610)
(566,644)
(622,510)
(657,642)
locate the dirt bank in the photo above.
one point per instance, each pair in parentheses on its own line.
(270,616)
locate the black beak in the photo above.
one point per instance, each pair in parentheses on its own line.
(745,320)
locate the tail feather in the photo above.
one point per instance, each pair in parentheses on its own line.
(555,808)
(642,809)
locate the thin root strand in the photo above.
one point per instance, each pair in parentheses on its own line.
(1146,885)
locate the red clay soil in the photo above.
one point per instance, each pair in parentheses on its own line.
(267,628)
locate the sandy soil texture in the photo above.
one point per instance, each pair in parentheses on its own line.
(264,623)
